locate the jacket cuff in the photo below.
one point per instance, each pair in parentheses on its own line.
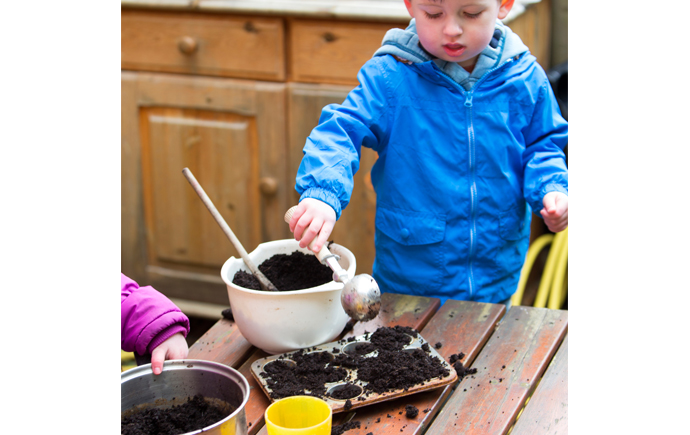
(325,196)
(165,334)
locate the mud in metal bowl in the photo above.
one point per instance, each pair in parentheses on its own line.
(181,379)
(278,322)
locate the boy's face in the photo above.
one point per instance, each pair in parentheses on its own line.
(456,30)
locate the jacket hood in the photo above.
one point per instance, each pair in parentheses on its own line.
(504,46)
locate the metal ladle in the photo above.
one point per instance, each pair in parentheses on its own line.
(361,297)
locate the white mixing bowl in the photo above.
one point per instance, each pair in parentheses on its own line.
(278,322)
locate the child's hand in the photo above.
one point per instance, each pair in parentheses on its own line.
(555,211)
(312,220)
(174,347)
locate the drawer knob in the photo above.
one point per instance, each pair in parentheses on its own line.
(329,37)
(187,45)
(250,27)
(268,186)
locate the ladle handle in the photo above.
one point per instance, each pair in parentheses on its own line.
(263,281)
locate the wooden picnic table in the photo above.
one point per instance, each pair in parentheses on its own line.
(521,360)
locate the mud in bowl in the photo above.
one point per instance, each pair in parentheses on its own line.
(182,380)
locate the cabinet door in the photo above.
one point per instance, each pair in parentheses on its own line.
(355,228)
(231,135)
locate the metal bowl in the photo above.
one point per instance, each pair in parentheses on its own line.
(278,322)
(180,379)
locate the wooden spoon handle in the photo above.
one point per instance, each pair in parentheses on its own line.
(263,281)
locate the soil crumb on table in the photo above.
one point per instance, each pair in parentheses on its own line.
(411,411)
(192,415)
(295,271)
(338,429)
(227,314)
(460,369)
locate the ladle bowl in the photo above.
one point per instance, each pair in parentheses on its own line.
(361,297)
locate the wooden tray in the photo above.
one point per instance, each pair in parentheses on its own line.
(338,405)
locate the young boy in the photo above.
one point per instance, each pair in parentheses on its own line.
(469,140)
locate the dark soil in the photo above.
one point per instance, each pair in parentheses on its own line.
(391,369)
(311,372)
(227,314)
(295,271)
(338,429)
(460,369)
(411,411)
(347,391)
(192,415)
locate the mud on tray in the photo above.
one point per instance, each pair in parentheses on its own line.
(389,363)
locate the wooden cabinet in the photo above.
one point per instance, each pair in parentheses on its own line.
(209,92)
(231,135)
(232,95)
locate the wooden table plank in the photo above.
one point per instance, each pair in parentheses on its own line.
(547,410)
(508,368)
(396,309)
(460,326)
(222,343)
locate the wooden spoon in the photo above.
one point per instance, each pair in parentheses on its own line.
(263,281)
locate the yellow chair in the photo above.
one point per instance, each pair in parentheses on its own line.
(127,360)
(554,279)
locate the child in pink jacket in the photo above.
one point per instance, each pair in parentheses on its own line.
(151,324)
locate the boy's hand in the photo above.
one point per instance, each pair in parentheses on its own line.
(555,211)
(312,220)
(175,347)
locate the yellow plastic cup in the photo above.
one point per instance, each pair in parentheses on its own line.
(299,415)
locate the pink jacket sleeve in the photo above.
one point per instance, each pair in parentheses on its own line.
(148,317)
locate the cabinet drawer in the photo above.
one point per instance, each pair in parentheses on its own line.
(217,45)
(332,51)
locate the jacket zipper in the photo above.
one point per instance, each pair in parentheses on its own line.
(473,193)
(472,167)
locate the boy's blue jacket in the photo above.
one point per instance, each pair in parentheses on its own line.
(463,159)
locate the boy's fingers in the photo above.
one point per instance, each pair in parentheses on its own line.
(561,205)
(301,229)
(312,233)
(296,215)
(544,214)
(549,203)
(326,229)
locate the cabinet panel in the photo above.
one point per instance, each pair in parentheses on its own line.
(206,142)
(231,135)
(355,228)
(332,51)
(220,45)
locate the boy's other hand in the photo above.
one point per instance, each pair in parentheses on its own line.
(312,220)
(175,347)
(555,211)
